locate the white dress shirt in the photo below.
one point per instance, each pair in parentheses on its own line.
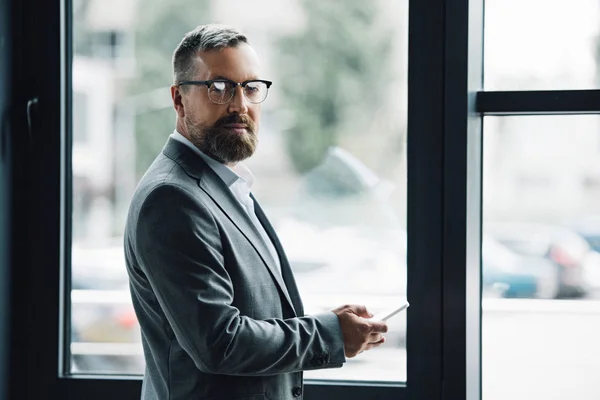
(239,179)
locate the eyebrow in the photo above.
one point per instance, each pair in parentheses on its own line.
(228,79)
(220,77)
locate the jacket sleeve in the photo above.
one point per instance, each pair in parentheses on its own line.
(179,248)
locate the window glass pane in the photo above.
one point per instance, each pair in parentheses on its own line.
(330,168)
(541,45)
(541,261)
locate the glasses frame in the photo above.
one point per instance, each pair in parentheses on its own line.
(235,84)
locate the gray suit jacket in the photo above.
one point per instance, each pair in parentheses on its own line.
(218,320)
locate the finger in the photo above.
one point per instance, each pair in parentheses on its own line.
(361,311)
(376,344)
(381,340)
(378,326)
(375,337)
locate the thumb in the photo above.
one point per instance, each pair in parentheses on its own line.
(361,311)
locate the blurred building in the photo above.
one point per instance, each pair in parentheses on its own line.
(103,152)
(104,115)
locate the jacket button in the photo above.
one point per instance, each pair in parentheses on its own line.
(297,391)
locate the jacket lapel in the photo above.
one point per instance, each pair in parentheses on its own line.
(286,269)
(234,211)
(218,191)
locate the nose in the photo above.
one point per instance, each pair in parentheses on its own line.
(238,104)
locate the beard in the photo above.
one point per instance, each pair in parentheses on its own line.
(221,143)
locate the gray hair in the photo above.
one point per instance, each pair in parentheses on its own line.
(203,38)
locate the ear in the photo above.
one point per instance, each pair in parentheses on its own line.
(176,95)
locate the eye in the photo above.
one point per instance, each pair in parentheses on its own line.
(218,87)
(255,91)
(253,87)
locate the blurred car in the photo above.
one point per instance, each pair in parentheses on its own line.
(564,247)
(105,335)
(589,228)
(510,275)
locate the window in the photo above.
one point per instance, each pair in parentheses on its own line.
(330,167)
(442,199)
(540,200)
(542,273)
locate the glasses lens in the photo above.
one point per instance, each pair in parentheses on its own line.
(256,92)
(220,92)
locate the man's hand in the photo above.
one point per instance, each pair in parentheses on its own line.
(359,333)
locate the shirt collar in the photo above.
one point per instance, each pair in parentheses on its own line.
(244,174)
(229,175)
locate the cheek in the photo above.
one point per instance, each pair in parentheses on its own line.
(255,115)
(213,114)
(190,108)
(199,113)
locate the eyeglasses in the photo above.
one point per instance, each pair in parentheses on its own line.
(221,91)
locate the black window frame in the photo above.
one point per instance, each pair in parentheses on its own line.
(444,209)
(5,188)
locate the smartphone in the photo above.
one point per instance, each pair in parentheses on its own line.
(389,313)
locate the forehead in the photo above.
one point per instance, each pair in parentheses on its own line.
(238,63)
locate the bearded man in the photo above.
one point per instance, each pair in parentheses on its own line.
(219,310)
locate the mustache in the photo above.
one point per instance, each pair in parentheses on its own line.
(235,119)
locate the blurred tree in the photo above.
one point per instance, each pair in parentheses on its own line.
(160,27)
(335,76)
(81,36)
